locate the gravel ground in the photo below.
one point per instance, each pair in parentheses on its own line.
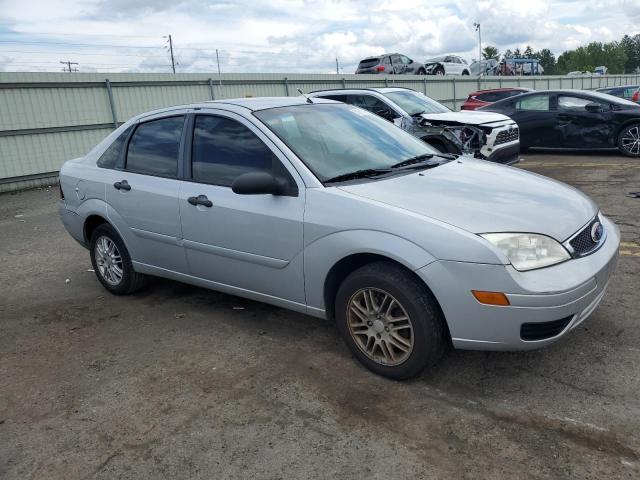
(180,382)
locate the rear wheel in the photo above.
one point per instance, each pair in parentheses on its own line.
(629,140)
(112,263)
(422,71)
(390,321)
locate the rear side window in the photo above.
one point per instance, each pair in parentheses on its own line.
(370,62)
(224,149)
(539,103)
(154,147)
(110,157)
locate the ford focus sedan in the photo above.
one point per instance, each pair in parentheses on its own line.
(331,211)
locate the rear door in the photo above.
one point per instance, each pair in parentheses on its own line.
(373,105)
(143,192)
(248,242)
(398,66)
(578,128)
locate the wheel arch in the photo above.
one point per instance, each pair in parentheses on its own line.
(622,126)
(92,222)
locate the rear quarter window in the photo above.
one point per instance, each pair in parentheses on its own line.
(110,157)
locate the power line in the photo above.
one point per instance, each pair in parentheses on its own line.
(69,67)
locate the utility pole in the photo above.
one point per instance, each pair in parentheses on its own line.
(337,66)
(477,25)
(218,62)
(173,63)
(68,67)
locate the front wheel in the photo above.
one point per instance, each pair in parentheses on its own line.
(439,71)
(465,72)
(390,321)
(112,263)
(629,140)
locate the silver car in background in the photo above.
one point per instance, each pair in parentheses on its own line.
(329,210)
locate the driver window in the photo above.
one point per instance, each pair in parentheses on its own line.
(372,104)
(224,149)
(574,104)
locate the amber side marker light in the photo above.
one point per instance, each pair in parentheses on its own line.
(491,298)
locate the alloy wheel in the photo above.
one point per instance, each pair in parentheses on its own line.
(109,260)
(631,140)
(380,326)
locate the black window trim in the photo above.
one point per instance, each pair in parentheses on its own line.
(122,163)
(123,149)
(187,159)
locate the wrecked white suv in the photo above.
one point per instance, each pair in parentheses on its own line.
(484,135)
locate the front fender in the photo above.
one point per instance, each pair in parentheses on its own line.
(322,254)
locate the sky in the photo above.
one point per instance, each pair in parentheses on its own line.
(303,36)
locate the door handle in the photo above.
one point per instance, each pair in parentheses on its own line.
(123,185)
(200,200)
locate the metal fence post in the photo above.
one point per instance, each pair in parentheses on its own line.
(213,97)
(344,83)
(386,81)
(286,86)
(424,85)
(112,104)
(455,105)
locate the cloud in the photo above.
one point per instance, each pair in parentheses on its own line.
(292,35)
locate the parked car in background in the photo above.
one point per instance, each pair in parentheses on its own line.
(391,64)
(488,67)
(482,98)
(521,66)
(492,137)
(447,65)
(578,73)
(328,210)
(628,92)
(573,119)
(601,70)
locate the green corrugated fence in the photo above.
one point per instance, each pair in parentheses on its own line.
(47,118)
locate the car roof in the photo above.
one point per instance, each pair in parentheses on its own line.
(504,89)
(251,104)
(372,89)
(586,93)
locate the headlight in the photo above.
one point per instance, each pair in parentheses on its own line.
(527,251)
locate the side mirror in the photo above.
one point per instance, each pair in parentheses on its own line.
(593,107)
(259,183)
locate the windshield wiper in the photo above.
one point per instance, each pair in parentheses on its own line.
(364,173)
(422,158)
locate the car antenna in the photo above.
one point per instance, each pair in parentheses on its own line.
(304,95)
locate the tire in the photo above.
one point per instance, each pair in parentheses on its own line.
(422,71)
(107,249)
(629,140)
(425,339)
(465,72)
(438,71)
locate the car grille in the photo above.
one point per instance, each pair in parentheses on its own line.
(543,330)
(506,136)
(582,243)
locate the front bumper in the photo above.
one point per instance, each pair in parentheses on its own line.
(507,154)
(570,290)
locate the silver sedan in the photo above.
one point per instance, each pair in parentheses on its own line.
(328,210)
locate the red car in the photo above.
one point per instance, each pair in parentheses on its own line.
(485,97)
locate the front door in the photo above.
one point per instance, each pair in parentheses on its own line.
(579,128)
(143,194)
(250,242)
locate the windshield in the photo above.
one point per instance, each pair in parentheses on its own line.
(414,103)
(334,140)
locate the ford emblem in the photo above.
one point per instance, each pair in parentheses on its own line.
(596,232)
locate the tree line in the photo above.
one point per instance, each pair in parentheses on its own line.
(619,57)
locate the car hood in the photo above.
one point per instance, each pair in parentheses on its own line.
(482,197)
(467,117)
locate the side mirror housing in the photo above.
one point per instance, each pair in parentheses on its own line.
(259,183)
(593,107)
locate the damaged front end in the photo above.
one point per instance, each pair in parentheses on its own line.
(454,138)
